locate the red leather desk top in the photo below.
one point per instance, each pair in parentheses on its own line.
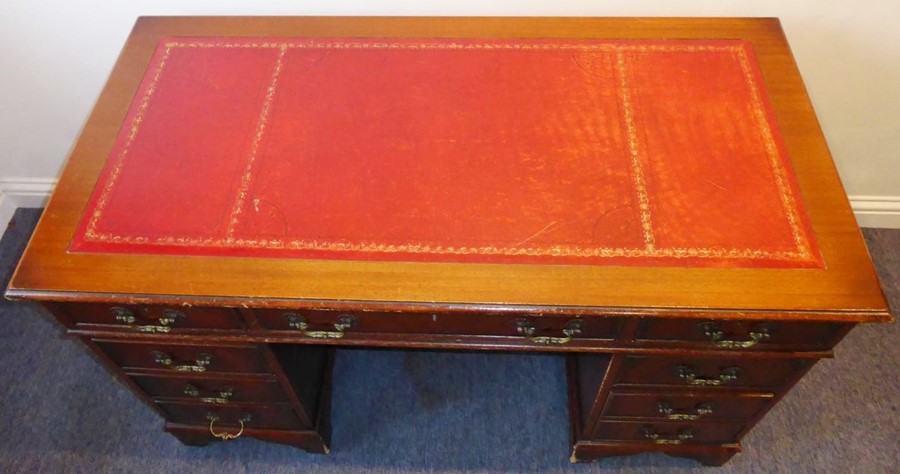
(652,153)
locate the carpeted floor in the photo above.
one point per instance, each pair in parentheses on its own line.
(411,412)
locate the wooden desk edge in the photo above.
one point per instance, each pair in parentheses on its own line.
(861,316)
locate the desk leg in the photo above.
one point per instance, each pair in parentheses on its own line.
(189,437)
(309,441)
(587,451)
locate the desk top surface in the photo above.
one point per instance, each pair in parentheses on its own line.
(563,163)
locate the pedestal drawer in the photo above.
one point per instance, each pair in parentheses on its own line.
(710,372)
(213,391)
(185,358)
(279,417)
(663,432)
(685,406)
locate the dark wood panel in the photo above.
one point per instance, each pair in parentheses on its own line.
(591,371)
(709,372)
(307,370)
(697,405)
(535,327)
(152,318)
(660,432)
(190,358)
(280,417)
(448,341)
(217,391)
(742,335)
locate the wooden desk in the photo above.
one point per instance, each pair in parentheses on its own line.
(652,196)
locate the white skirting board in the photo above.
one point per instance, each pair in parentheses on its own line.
(870,211)
(23,192)
(877,211)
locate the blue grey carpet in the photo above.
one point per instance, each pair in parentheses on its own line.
(414,412)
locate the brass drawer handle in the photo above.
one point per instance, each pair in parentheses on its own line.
(703,409)
(171,316)
(717,336)
(688,375)
(222,397)
(127,317)
(213,418)
(123,315)
(684,434)
(295,321)
(570,330)
(200,365)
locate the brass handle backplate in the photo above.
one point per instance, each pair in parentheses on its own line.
(295,321)
(687,374)
(213,418)
(123,315)
(717,336)
(199,365)
(684,434)
(570,330)
(703,409)
(171,316)
(127,317)
(221,397)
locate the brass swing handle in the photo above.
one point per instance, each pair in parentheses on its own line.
(200,365)
(685,434)
(223,396)
(717,336)
(224,436)
(127,317)
(702,409)
(687,374)
(295,321)
(570,330)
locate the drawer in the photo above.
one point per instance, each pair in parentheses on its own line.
(741,334)
(215,391)
(278,417)
(685,406)
(151,318)
(709,372)
(663,432)
(324,324)
(185,358)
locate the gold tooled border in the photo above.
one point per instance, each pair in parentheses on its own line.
(788,201)
(637,169)
(649,250)
(254,148)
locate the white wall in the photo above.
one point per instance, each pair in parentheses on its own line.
(56,54)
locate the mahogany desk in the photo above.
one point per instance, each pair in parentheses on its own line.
(653,197)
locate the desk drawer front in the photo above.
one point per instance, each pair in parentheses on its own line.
(279,417)
(741,335)
(701,405)
(212,391)
(156,319)
(709,372)
(185,358)
(669,432)
(336,324)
